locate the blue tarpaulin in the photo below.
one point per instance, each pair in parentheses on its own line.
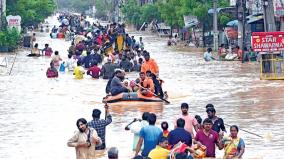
(233,23)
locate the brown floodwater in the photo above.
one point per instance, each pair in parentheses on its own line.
(38,115)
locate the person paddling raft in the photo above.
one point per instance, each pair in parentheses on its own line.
(146,85)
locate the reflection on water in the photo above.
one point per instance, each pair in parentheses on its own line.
(38,115)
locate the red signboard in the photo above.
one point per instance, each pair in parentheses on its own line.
(267,41)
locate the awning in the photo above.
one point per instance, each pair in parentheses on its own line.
(211,11)
(252,18)
(163,26)
(223,10)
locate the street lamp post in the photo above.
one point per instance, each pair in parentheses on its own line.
(215,25)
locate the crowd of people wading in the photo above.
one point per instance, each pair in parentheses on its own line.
(117,52)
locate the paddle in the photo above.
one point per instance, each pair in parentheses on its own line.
(153,93)
(252,133)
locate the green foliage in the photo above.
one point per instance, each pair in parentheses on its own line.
(31,11)
(9,38)
(150,12)
(171,12)
(13,37)
(137,15)
(103,8)
(132,12)
(224,19)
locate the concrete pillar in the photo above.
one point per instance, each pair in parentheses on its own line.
(268,12)
(215,25)
(239,5)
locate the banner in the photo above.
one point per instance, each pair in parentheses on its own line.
(267,41)
(14,22)
(190,21)
(278,7)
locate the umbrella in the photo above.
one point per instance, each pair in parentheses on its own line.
(233,23)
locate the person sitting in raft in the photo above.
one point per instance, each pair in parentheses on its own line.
(47,50)
(51,72)
(147,84)
(35,51)
(208,55)
(128,86)
(158,86)
(233,145)
(94,71)
(56,59)
(149,64)
(79,71)
(116,85)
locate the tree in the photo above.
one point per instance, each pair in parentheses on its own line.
(104,8)
(32,12)
(150,12)
(132,12)
(171,12)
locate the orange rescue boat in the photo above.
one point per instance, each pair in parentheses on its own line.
(132,98)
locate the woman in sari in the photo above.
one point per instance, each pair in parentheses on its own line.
(234,146)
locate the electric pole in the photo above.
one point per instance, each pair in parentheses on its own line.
(215,25)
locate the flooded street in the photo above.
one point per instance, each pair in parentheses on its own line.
(38,115)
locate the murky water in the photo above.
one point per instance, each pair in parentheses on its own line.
(38,115)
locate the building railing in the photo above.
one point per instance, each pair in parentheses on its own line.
(272,69)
